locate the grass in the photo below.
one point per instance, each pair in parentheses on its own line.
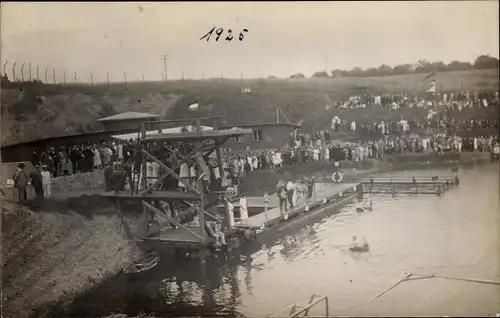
(36,111)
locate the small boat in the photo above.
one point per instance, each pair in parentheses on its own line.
(360,248)
(143,264)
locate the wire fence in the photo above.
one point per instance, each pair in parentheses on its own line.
(14,72)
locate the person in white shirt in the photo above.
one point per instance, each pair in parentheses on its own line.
(230,207)
(290,190)
(120,151)
(46,182)
(243,208)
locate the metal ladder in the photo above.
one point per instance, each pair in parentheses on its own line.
(301,308)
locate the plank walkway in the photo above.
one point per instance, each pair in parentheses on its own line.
(154,195)
(323,191)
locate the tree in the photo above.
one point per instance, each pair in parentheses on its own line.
(459,66)
(485,62)
(385,69)
(338,73)
(403,69)
(320,74)
(297,75)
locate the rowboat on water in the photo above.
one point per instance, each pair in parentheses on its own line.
(358,247)
(143,264)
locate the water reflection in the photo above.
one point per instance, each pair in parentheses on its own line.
(456,234)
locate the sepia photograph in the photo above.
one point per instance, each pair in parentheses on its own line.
(250,159)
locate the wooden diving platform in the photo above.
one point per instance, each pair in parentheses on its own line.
(324,192)
(180,237)
(193,135)
(154,195)
(256,202)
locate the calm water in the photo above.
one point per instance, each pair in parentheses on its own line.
(455,235)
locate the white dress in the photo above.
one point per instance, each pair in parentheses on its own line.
(243,209)
(97,158)
(231,213)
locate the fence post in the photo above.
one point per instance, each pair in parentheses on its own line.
(75,77)
(54,75)
(4,66)
(64,76)
(37,78)
(14,71)
(107,76)
(125,76)
(22,72)
(46,77)
(91,79)
(29,70)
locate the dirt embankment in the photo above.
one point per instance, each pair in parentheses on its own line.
(52,255)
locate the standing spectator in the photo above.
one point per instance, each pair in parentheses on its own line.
(266,202)
(21,181)
(120,150)
(36,182)
(281,191)
(96,158)
(62,163)
(35,158)
(46,182)
(106,155)
(47,160)
(75,156)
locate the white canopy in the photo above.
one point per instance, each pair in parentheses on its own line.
(174,130)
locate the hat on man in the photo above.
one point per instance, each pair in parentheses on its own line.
(21,165)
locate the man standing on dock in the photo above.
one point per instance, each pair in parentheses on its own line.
(281,192)
(290,189)
(310,188)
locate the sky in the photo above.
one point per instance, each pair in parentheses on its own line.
(283,37)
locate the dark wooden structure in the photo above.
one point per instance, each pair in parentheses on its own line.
(197,199)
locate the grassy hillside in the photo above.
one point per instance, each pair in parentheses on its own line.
(36,111)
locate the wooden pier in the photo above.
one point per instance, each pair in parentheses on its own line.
(325,194)
(437,185)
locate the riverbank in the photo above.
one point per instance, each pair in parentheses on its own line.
(70,245)
(51,255)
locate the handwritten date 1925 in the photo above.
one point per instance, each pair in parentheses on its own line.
(219,32)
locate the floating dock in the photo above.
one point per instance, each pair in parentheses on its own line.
(437,185)
(325,194)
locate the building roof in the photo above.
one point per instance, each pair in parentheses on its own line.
(173,130)
(260,125)
(128,116)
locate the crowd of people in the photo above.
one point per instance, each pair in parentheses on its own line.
(431,134)
(449,100)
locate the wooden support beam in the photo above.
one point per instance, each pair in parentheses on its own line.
(164,166)
(218,143)
(194,151)
(152,208)
(227,223)
(157,182)
(201,207)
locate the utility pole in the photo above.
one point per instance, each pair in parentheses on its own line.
(164,58)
